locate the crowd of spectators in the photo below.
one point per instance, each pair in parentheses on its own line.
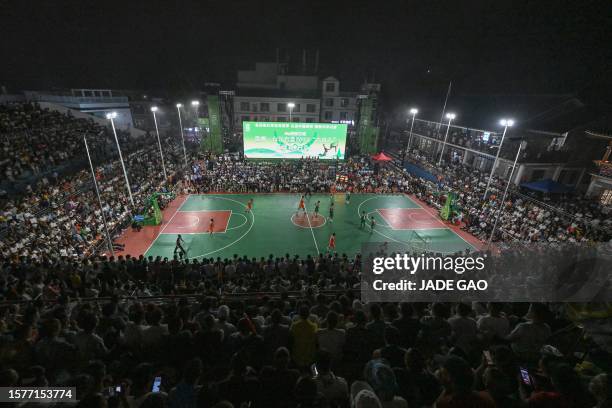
(278,331)
(310,343)
(60,216)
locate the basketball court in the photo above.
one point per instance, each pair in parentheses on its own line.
(275,226)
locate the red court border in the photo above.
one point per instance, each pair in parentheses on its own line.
(467,237)
(396,225)
(221,218)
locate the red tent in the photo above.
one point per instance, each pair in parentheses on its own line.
(381,157)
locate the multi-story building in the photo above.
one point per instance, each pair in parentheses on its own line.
(336,105)
(270,93)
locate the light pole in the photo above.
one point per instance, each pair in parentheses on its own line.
(196,106)
(413,112)
(178,109)
(450,117)
(111,116)
(161,153)
(506,123)
(109,242)
(501,204)
(290,105)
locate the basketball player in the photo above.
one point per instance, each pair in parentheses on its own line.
(316,210)
(331,246)
(301,205)
(178,246)
(211,226)
(249,205)
(331,212)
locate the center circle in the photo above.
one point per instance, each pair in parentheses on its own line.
(309,220)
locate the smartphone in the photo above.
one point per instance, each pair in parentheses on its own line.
(525,377)
(487,356)
(156,385)
(314,371)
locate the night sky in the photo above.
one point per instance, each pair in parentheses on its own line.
(414,48)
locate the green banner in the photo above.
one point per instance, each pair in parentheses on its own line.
(367,133)
(214,140)
(447,210)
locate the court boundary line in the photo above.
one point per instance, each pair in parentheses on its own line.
(409,243)
(447,227)
(199,233)
(313,235)
(235,241)
(171,218)
(405,229)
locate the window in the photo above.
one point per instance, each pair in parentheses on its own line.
(330,87)
(264,107)
(329,102)
(311,107)
(296,108)
(281,107)
(344,102)
(343,115)
(328,115)
(281,119)
(244,106)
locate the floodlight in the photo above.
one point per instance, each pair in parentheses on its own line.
(153,108)
(111,115)
(414,111)
(450,116)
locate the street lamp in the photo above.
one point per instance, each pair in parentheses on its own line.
(413,112)
(450,117)
(110,116)
(161,153)
(178,109)
(499,211)
(506,123)
(290,105)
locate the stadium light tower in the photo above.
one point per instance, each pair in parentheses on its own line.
(161,153)
(506,123)
(290,105)
(178,109)
(450,117)
(413,112)
(109,241)
(110,116)
(196,106)
(501,204)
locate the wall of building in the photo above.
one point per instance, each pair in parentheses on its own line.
(266,109)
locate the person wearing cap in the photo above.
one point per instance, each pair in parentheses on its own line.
(457,378)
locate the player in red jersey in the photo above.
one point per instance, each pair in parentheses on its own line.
(331,246)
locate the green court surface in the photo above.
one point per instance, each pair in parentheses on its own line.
(272,227)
